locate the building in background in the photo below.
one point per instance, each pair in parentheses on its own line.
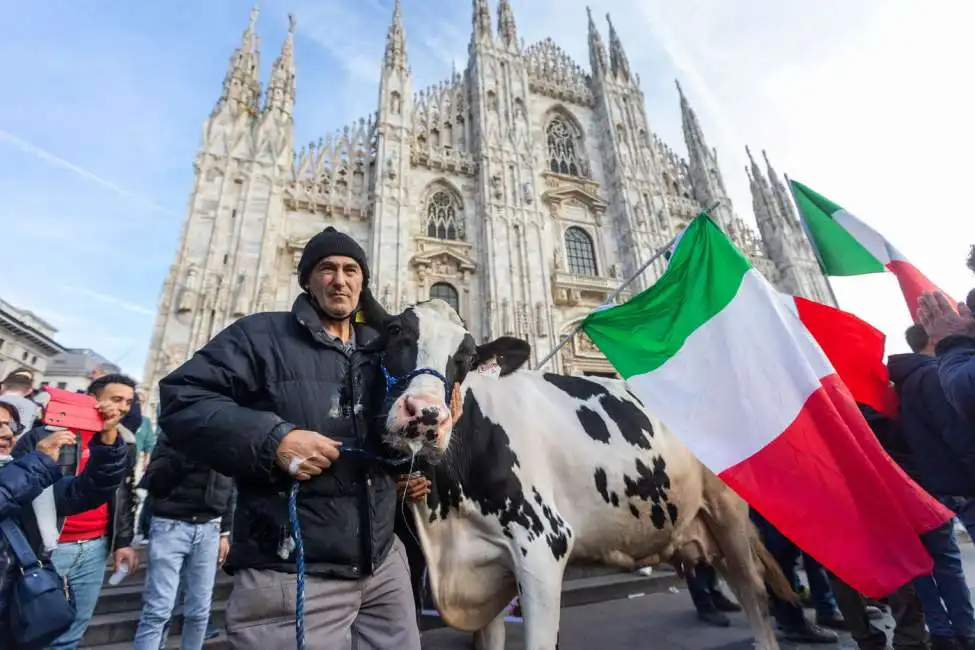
(26,341)
(70,369)
(522,190)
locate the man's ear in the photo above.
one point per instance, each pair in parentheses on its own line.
(510,352)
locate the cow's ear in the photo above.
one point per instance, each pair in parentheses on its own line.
(511,353)
(370,311)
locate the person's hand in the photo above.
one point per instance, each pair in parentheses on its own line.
(304,453)
(940,320)
(223,551)
(51,444)
(413,487)
(127,555)
(111,417)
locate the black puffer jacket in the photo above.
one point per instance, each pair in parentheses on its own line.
(231,405)
(184,490)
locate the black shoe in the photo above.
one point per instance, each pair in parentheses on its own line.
(834,621)
(714,618)
(810,633)
(874,613)
(944,643)
(724,604)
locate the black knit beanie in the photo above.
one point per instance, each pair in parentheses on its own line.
(325,244)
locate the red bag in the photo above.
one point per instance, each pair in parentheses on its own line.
(72,411)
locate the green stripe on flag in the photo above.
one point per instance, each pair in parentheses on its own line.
(840,253)
(703,276)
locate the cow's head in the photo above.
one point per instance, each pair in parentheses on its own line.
(428,353)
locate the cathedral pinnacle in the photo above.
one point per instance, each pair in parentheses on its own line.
(482,20)
(395,57)
(506,24)
(281,89)
(242,85)
(617,56)
(597,51)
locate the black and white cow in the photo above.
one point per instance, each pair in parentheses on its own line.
(531,471)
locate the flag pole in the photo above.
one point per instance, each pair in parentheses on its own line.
(812,242)
(653,258)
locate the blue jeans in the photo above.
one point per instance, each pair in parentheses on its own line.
(178,552)
(944,594)
(83,564)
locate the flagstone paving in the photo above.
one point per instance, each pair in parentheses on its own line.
(663,620)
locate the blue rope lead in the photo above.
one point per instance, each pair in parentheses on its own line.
(299,565)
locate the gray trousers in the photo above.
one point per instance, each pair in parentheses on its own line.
(374,613)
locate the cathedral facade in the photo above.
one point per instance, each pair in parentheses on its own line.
(523,191)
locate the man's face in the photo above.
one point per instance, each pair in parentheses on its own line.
(119,395)
(336,283)
(7,425)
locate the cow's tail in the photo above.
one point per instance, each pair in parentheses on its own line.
(774,577)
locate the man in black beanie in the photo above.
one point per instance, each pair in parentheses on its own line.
(280,397)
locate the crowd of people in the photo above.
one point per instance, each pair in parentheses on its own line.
(253,405)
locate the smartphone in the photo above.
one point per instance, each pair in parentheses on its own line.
(72,411)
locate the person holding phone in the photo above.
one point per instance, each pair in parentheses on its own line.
(29,472)
(106,524)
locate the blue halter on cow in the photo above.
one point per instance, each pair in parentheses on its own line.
(533,471)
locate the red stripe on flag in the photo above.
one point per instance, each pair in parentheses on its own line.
(913,284)
(827,485)
(855,349)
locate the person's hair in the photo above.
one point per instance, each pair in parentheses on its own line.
(971,258)
(18,381)
(916,337)
(970,300)
(96,387)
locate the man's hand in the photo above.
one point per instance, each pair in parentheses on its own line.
(111,416)
(413,486)
(51,444)
(127,555)
(940,320)
(223,551)
(304,453)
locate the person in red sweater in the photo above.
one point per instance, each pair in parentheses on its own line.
(88,538)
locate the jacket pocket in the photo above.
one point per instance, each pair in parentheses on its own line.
(260,598)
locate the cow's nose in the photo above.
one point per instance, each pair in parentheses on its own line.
(409,405)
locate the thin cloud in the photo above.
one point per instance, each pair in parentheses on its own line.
(47,156)
(111,300)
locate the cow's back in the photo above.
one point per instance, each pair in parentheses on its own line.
(591,459)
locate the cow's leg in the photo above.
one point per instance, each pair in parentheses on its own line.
(540,587)
(740,564)
(491,636)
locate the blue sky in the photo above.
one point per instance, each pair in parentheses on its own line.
(104,104)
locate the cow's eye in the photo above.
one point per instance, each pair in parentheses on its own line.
(394,330)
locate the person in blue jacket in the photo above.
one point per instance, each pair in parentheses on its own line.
(953,334)
(22,479)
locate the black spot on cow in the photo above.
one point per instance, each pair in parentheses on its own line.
(657,516)
(630,418)
(652,485)
(578,387)
(524,551)
(614,499)
(593,424)
(602,483)
(634,397)
(634,511)
(479,465)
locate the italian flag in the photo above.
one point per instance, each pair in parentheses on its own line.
(847,246)
(731,367)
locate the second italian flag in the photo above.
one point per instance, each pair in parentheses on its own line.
(847,246)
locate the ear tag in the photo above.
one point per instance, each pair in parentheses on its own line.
(490,369)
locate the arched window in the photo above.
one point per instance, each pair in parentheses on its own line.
(446,293)
(443,216)
(563,150)
(580,252)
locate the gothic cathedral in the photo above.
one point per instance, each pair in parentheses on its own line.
(521,191)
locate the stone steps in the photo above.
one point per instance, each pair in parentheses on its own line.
(117,613)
